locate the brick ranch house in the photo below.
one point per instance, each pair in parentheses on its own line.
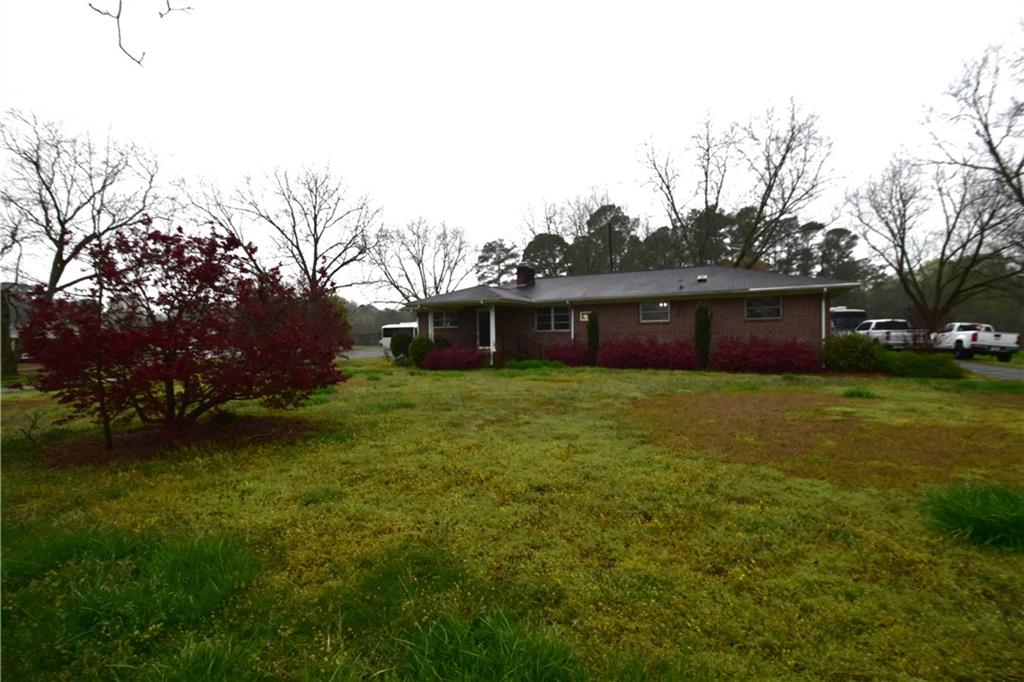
(537,313)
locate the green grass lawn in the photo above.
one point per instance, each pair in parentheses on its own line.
(536,524)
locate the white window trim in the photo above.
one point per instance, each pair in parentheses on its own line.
(551,308)
(747,317)
(445,313)
(668,309)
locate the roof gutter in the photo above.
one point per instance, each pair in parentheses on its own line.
(807,287)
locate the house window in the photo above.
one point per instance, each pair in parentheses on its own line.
(554,319)
(446,320)
(654,312)
(764,308)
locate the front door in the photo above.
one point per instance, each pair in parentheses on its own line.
(483,328)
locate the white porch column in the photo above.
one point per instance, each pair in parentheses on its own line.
(824,312)
(494,333)
(430,325)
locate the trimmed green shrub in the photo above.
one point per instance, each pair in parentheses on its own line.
(851,353)
(400,344)
(420,348)
(702,335)
(919,365)
(981,513)
(593,338)
(441,342)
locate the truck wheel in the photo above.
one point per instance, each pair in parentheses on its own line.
(1004,357)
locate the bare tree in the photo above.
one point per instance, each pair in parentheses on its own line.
(781,162)
(317,228)
(947,238)
(420,260)
(67,193)
(567,219)
(696,229)
(210,206)
(786,158)
(987,109)
(116,14)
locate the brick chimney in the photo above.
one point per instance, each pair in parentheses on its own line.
(524,275)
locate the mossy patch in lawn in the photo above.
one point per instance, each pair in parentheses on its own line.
(809,435)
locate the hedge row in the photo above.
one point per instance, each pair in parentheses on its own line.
(765,355)
(848,353)
(635,353)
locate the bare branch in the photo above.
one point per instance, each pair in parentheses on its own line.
(116,16)
(173,9)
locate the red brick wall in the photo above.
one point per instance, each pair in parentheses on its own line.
(463,335)
(801,319)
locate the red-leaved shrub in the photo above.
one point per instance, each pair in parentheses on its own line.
(570,354)
(765,355)
(637,353)
(453,357)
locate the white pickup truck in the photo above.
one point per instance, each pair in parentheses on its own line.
(890,333)
(969,338)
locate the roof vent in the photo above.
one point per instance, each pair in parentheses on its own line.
(702,278)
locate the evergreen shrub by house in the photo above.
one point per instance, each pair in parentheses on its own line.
(637,353)
(851,353)
(571,354)
(766,355)
(593,339)
(702,335)
(419,348)
(400,344)
(453,357)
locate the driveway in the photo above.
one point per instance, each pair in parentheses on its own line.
(365,352)
(993,371)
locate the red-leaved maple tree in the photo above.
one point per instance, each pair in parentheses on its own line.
(175,325)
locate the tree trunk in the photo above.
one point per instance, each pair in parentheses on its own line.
(9,358)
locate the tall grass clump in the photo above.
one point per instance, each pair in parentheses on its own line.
(858,392)
(980,513)
(489,648)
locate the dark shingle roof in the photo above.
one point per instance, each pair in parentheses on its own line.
(648,284)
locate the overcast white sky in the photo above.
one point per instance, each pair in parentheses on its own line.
(472,112)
